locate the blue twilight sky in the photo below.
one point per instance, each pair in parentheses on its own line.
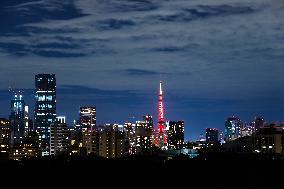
(216,58)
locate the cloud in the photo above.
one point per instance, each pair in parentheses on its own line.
(201,37)
(139,72)
(204,12)
(113,24)
(169,49)
(225,49)
(88,6)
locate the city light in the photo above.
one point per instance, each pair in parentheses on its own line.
(50,135)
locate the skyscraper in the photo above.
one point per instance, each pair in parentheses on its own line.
(58,136)
(212,136)
(88,117)
(91,139)
(130,138)
(149,131)
(232,128)
(111,142)
(45,108)
(161,138)
(28,122)
(176,134)
(17,119)
(144,134)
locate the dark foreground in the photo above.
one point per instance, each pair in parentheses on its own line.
(213,169)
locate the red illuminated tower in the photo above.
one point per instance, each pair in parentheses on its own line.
(161,139)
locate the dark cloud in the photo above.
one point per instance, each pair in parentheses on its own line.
(35,30)
(56,45)
(14,48)
(44,50)
(130,5)
(13,14)
(169,49)
(204,12)
(139,72)
(114,24)
(57,54)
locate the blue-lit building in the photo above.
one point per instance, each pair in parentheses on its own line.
(233,127)
(17,119)
(45,108)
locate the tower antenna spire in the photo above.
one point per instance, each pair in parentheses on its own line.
(161,89)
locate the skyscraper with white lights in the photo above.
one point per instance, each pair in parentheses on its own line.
(45,108)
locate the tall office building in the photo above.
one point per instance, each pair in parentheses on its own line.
(112,142)
(5,135)
(149,131)
(176,134)
(144,134)
(90,140)
(28,122)
(212,136)
(45,108)
(59,140)
(88,117)
(76,141)
(233,127)
(17,119)
(148,119)
(129,131)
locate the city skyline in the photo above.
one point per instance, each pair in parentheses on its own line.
(216,59)
(14,93)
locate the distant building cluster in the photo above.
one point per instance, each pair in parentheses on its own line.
(257,137)
(47,134)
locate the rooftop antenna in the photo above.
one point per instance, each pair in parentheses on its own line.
(16,91)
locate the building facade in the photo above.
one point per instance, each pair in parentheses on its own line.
(149,131)
(45,108)
(29,148)
(269,140)
(59,141)
(130,139)
(88,117)
(233,127)
(5,136)
(17,119)
(112,142)
(91,141)
(176,134)
(144,134)
(212,136)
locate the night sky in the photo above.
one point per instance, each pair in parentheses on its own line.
(216,58)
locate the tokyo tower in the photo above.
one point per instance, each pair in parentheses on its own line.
(161,138)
